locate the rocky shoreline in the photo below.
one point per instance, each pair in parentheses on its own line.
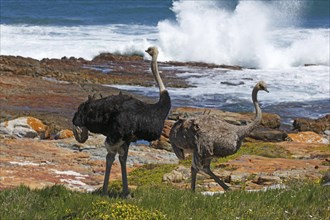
(40,97)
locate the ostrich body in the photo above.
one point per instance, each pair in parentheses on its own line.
(122,119)
(209,136)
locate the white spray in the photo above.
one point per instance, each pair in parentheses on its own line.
(257,34)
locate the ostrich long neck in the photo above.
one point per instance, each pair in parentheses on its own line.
(154,69)
(258,116)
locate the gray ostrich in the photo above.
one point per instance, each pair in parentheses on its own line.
(209,136)
(123,119)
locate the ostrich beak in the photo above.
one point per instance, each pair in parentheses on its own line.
(80,133)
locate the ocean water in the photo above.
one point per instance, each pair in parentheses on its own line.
(272,39)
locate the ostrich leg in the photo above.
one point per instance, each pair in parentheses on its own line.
(219,181)
(194,169)
(109,161)
(206,168)
(193,178)
(122,160)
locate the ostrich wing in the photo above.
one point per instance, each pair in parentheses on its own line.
(124,117)
(211,135)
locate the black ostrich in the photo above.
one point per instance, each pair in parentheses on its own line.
(123,119)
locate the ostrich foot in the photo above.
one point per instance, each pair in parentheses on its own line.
(126,195)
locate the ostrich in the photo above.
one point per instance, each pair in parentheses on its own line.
(208,136)
(123,119)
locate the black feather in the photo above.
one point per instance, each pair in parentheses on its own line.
(124,117)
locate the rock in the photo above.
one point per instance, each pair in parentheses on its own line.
(308,137)
(268,134)
(232,83)
(163,142)
(173,177)
(24,132)
(237,177)
(23,127)
(180,174)
(64,134)
(317,125)
(18,65)
(291,174)
(266,180)
(269,120)
(115,57)
(36,125)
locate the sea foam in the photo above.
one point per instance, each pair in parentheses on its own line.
(259,34)
(79,41)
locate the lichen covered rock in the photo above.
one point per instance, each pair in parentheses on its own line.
(308,137)
(23,127)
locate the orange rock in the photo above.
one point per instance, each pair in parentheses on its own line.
(64,134)
(167,128)
(308,137)
(36,124)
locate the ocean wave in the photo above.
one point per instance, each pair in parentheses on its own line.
(254,34)
(257,34)
(78,41)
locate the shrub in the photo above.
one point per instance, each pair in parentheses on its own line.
(120,210)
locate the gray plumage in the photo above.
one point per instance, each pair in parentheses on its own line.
(209,136)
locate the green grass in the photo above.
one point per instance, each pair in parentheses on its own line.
(154,199)
(298,201)
(150,174)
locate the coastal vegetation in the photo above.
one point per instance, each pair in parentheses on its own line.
(299,200)
(152,198)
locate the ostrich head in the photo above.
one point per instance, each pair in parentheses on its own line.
(79,129)
(261,86)
(152,51)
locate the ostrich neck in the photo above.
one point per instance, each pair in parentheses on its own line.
(258,116)
(154,69)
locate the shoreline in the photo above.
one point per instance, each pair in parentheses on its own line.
(57,86)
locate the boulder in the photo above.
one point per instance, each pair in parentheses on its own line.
(266,180)
(308,137)
(237,177)
(320,125)
(268,134)
(163,142)
(63,134)
(269,120)
(178,175)
(173,177)
(24,127)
